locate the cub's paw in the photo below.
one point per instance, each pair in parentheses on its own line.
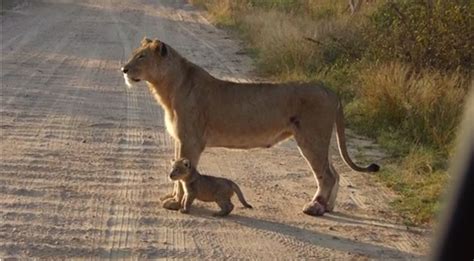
(220,214)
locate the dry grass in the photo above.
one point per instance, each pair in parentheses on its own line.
(424,107)
(221,12)
(420,184)
(282,49)
(294,47)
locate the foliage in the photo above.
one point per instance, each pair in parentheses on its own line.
(426,36)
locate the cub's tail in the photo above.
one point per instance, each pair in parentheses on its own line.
(240,195)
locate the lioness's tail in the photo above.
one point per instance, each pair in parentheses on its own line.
(341,142)
(240,195)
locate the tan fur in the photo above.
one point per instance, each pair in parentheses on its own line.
(202,111)
(205,188)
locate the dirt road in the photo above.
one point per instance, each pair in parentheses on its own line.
(84,159)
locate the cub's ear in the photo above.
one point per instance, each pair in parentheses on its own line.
(146,41)
(186,163)
(172,161)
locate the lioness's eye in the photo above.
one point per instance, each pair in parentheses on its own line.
(141,56)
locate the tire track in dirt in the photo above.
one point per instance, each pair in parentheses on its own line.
(125,215)
(42,128)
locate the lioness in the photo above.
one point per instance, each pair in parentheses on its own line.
(205,188)
(202,111)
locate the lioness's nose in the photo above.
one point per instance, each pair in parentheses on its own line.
(124,70)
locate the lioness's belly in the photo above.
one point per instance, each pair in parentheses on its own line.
(241,141)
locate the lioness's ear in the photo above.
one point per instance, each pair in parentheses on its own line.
(146,41)
(160,47)
(163,49)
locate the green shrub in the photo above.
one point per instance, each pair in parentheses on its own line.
(438,36)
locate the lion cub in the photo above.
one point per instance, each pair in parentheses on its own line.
(205,188)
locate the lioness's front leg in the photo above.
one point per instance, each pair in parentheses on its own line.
(176,187)
(175,201)
(192,152)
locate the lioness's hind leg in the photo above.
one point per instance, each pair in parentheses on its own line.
(315,151)
(335,189)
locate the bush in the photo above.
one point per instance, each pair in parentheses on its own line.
(426,36)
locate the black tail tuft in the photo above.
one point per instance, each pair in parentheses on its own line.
(373,167)
(248,206)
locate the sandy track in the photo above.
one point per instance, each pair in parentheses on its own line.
(84,160)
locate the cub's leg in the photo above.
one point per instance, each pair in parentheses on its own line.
(187,201)
(226,207)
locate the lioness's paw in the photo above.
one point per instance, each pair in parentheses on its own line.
(171,204)
(314,209)
(167,196)
(184,211)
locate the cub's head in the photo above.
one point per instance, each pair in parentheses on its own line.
(146,61)
(180,169)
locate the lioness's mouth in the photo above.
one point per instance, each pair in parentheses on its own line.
(129,80)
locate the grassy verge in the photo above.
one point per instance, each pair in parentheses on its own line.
(401,67)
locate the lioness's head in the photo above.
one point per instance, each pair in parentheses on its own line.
(145,62)
(180,169)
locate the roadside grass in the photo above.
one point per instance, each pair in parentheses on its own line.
(406,94)
(420,181)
